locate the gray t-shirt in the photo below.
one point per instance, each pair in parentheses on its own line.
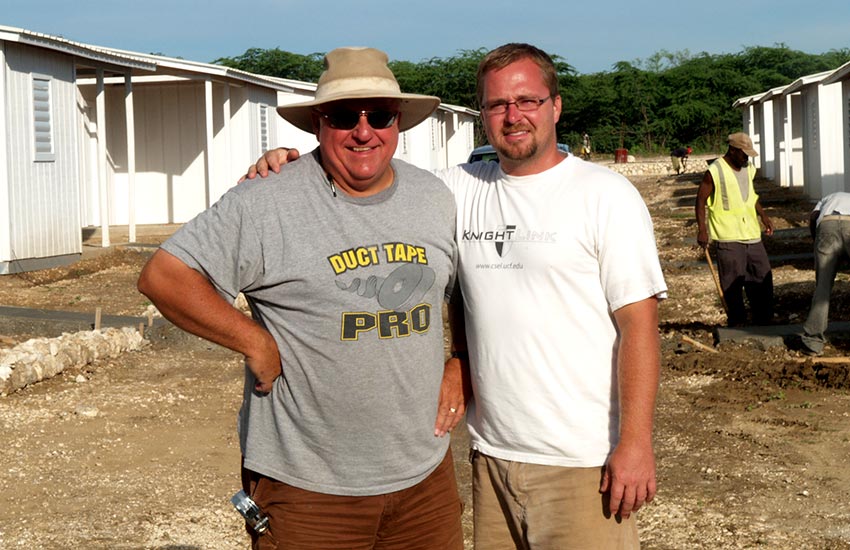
(352,290)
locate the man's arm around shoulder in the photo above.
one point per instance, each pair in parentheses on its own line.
(272,160)
(456,387)
(188,299)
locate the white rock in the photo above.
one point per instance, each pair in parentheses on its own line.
(40,358)
(86,411)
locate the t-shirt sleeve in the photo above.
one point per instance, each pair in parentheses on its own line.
(223,244)
(452,286)
(628,257)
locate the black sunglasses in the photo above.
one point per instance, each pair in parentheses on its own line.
(348,120)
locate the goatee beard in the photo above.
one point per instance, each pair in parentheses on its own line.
(519,152)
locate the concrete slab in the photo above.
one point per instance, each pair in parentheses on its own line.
(52,323)
(148,238)
(119,234)
(771,335)
(764,336)
(791,233)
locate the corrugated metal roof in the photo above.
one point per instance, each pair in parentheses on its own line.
(825,77)
(296,84)
(160,64)
(458,109)
(746,101)
(770,94)
(85,51)
(838,74)
(147,62)
(807,80)
(173,64)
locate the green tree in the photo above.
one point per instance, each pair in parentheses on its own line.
(452,79)
(277,62)
(650,106)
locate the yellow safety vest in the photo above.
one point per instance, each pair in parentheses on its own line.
(729,217)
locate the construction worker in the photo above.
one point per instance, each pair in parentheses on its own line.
(829,223)
(727,192)
(679,158)
(585,146)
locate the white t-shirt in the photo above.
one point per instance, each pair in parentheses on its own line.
(544,261)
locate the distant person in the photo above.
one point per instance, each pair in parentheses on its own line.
(679,157)
(727,193)
(585,146)
(345,258)
(561,283)
(829,223)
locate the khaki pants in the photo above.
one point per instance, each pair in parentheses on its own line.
(529,506)
(679,164)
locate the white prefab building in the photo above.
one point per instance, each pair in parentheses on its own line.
(196,127)
(40,162)
(787,153)
(458,131)
(802,132)
(445,139)
(841,77)
(288,135)
(764,120)
(820,165)
(751,121)
(767,105)
(94,136)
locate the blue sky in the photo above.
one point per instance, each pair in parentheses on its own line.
(590,35)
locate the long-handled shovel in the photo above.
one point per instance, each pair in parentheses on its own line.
(716,280)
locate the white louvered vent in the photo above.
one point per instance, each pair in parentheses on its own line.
(42,120)
(264,128)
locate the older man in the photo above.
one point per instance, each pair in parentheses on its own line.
(345,258)
(726,192)
(560,280)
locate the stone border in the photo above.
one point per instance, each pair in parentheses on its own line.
(657,168)
(40,358)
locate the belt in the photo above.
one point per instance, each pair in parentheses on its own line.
(835,217)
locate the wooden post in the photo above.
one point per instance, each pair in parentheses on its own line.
(697,345)
(716,280)
(97,316)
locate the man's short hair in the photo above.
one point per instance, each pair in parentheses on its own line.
(503,56)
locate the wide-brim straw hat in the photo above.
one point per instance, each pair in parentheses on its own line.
(359,73)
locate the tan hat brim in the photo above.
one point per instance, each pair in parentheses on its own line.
(414,108)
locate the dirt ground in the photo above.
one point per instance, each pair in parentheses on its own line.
(753,444)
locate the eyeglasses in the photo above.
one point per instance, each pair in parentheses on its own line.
(524,105)
(348,120)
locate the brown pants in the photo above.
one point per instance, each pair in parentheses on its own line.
(423,517)
(534,507)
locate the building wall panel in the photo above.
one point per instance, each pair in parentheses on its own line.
(44,197)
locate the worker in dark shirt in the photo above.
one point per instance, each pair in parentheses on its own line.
(679,157)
